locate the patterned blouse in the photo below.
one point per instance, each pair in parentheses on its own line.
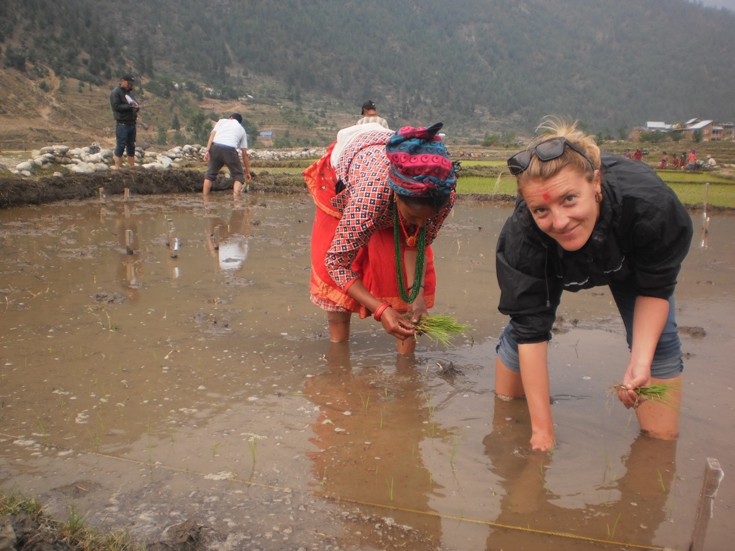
(366,204)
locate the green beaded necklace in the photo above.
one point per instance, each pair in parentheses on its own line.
(418,275)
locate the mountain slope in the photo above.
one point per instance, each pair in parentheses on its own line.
(478,64)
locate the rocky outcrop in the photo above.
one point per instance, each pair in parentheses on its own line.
(88,160)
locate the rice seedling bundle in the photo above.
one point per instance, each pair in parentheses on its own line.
(659,394)
(440,328)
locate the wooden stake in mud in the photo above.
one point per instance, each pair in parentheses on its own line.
(216,238)
(102,194)
(175,249)
(713,474)
(169,235)
(126,194)
(705,217)
(129,239)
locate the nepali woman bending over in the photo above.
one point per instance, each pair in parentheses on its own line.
(381,198)
(583,220)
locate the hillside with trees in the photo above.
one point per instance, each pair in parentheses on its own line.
(476,64)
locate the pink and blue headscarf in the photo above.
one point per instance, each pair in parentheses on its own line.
(419,163)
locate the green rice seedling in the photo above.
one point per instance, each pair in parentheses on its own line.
(215,447)
(14,504)
(390,488)
(381,417)
(365,403)
(661,479)
(658,394)
(75,524)
(611,533)
(453,455)
(439,328)
(253,444)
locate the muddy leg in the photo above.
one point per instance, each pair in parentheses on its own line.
(406,346)
(118,162)
(206,188)
(508,384)
(131,161)
(658,420)
(339,326)
(237,189)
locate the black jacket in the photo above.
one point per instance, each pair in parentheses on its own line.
(121,109)
(639,241)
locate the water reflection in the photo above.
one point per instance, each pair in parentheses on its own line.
(371,423)
(229,243)
(129,268)
(630,509)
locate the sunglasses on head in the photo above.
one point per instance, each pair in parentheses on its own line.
(547,150)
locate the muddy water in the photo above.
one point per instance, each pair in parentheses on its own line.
(146,390)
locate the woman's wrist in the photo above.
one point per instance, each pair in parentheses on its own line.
(379,311)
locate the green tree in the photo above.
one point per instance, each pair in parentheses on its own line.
(179,138)
(622,132)
(200,127)
(676,135)
(161,136)
(697,136)
(252,130)
(15,58)
(43,86)
(175,124)
(490,140)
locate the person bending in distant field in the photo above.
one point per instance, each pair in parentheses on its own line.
(370,114)
(125,110)
(227,136)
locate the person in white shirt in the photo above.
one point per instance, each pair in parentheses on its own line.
(370,114)
(227,136)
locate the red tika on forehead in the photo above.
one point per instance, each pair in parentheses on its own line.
(546,196)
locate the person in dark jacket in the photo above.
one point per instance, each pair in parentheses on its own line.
(125,110)
(583,220)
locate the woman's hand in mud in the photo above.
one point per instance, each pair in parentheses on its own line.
(543,440)
(395,324)
(417,309)
(635,376)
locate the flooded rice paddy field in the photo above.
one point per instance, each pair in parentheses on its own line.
(146,390)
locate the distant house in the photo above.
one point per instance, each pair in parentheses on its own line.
(705,127)
(728,131)
(265,137)
(654,126)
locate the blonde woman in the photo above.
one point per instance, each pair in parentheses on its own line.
(584,220)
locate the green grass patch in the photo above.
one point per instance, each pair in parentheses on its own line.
(720,195)
(481,163)
(73,532)
(487,186)
(692,177)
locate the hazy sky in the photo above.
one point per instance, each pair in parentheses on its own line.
(720,3)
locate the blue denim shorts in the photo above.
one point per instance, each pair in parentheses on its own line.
(125,139)
(667,360)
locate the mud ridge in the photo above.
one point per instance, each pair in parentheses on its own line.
(15,192)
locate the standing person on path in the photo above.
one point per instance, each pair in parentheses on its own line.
(125,110)
(584,220)
(227,136)
(370,114)
(381,199)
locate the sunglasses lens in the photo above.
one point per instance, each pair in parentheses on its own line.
(550,149)
(519,162)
